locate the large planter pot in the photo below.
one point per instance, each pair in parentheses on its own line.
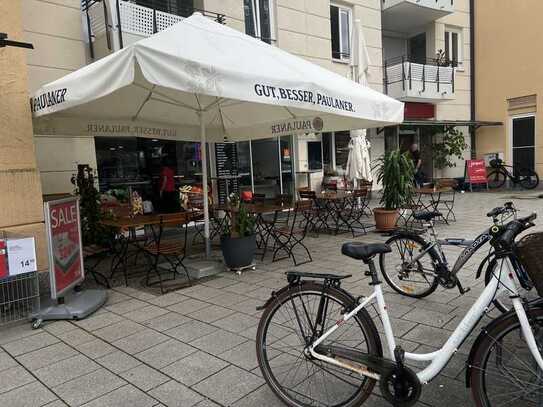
(238,252)
(385,219)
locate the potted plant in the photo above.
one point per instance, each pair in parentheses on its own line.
(238,241)
(395,171)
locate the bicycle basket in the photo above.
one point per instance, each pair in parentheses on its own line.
(529,250)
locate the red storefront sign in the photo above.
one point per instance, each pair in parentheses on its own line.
(476,171)
(413,110)
(3,260)
(65,247)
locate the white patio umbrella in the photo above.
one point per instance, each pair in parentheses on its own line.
(358,161)
(206,81)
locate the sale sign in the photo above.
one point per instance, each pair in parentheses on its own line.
(476,171)
(3,260)
(65,246)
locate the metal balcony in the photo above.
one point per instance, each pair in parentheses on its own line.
(404,15)
(112,28)
(420,81)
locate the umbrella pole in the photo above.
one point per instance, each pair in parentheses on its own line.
(203,153)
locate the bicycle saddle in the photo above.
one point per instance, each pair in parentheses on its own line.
(361,251)
(426,215)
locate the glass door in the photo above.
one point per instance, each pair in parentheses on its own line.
(523,142)
(287,165)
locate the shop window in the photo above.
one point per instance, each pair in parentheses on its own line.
(259,19)
(340,25)
(244,166)
(341,148)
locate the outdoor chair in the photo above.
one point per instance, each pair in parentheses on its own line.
(446,201)
(170,250)
(368,186)
(317,217)
(406,212)
(283,217)
(353,212)
(195,205)
(290,237)
(93,256)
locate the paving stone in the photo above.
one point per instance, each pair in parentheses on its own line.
(227,299)
(165,353)
(114,297)
(427,317)
(34,394)
(218,342)
(17,332)
(118,362)
(76,337)
(168,299)
(236,322)
(175,394)
(261,294)
(219,282)
(144,377)
(247,306)
(86,388)
(46,356)
(210,314)
(166,321)
(243,355)
(428,335)
(207,403)
(30,343)
(229,385)
(65,370)
(6,361)
(201,292)
(14,377)
(56,403)
(240,288)
(119,330)
(146,313)
(95,349)
(126,306)
(140,341)
(262,397)
(194,368)
(99,321)
(126,396)
(191,330)
(188,306)
(58,327)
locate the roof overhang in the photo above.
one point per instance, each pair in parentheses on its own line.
(455,123)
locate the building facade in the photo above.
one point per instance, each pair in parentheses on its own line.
(403,38)
(509,82)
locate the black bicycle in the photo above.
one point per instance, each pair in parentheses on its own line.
(416,266)
(525,177)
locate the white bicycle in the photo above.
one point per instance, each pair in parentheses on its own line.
(318,346)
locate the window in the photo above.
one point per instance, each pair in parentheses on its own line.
(453,45)
(258,19)
(340,24)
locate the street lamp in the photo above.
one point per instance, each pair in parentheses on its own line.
(4,42)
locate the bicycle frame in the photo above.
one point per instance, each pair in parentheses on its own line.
(438,359)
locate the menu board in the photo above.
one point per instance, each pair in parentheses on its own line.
(226,155)
(476,171)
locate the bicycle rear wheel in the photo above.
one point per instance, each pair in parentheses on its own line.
(286,329)
(528,179)
(413,278)
(504,372)
(496,179)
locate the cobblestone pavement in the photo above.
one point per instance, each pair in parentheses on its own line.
(195,347)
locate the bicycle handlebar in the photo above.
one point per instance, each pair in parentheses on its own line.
(506,236)
(507,207)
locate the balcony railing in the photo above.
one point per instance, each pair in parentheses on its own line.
(143,19)
(416,78)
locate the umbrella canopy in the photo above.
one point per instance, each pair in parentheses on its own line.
(358,162)
(207,81)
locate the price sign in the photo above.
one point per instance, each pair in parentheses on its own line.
(476,171)
(63,228)
(21,256)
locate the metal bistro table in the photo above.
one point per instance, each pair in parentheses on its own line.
(334,205)
(429,198)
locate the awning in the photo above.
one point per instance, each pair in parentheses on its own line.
(455,123)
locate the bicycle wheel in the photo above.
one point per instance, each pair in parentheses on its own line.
(407,276)
(502,300)
(496,179)
(285,331)
(504,372)
(528,179)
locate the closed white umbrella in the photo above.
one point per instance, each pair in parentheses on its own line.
(358,162)
(206,81)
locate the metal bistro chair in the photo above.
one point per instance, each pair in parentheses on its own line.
(172,250)
(317,217)
(289,237)
(195,205)
(446,202)
(353,212)
(368,186)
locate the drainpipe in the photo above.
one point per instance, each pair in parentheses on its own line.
(472,129)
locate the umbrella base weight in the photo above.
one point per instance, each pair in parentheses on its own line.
(239,270)
(75,305)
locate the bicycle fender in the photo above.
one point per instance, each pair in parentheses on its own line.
(482,265)
(485,330)
(273,296)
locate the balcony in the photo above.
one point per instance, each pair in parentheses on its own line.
(405,15)
(421,81)
(118,23)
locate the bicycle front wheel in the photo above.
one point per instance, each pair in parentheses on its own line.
(504,372)
(496,179)
(408,269)
(289,325)
(528,179)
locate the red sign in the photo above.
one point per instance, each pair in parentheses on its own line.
(3,260)
(413,110)
(65,254)
(476,170)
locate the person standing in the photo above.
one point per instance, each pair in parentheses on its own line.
(169,200)
(417,164)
